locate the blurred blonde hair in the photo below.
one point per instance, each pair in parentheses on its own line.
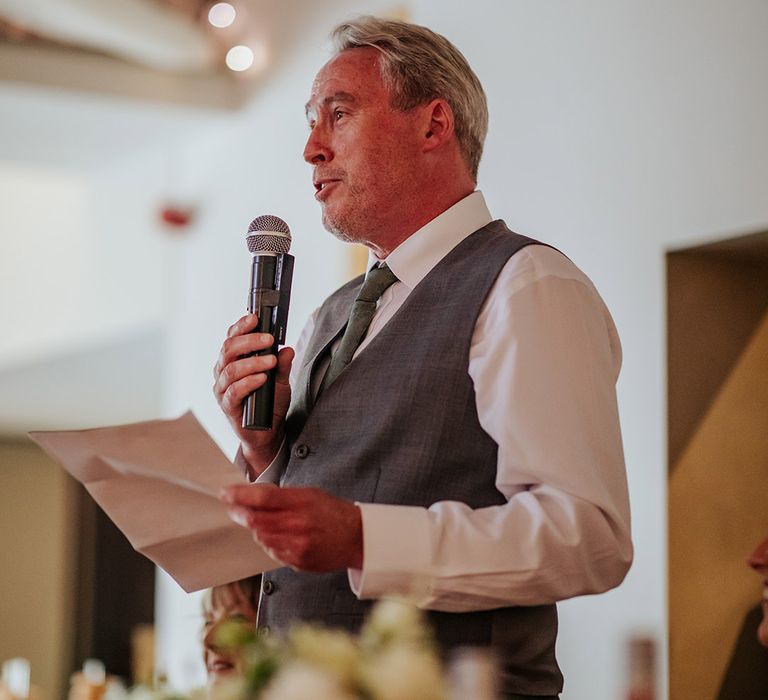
(247,589)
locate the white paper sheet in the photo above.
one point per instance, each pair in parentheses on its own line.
(159,483)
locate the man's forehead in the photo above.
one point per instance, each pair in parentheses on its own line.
(333,98)
(347,75)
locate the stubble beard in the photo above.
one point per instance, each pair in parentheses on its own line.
(339,230)
(348,226)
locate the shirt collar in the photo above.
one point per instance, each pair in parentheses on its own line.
(415,257)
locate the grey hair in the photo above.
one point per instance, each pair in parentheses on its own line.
(419,65)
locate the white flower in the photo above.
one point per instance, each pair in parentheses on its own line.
(393,621)
(332,650)
(404,672)
(302,681)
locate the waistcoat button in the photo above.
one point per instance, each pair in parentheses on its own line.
(301,451)
(268,587)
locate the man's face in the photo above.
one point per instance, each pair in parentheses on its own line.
(758,560)
(364,154)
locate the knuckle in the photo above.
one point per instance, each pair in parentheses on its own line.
(229,398)
(234,329)
(228,374)
(226,347)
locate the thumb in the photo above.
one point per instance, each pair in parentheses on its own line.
(284,364)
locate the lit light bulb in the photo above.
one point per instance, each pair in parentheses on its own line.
(221,15)
(239,58)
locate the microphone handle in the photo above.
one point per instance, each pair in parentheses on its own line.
(259,405)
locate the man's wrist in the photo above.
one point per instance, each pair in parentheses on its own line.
(257,459)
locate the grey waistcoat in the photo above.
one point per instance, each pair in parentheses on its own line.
(400,426)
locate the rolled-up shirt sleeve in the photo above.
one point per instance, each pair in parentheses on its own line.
(544,361)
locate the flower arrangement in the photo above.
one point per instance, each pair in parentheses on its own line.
(393,658)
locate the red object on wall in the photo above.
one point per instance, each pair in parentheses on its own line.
(176,217)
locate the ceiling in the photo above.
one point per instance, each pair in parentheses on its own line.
(161,51)
(166,35)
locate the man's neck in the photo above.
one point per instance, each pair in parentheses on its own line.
(415,215)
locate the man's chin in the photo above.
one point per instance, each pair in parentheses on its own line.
(342,228)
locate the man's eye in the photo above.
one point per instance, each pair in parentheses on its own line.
(337,114)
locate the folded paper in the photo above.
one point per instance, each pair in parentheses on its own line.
(159,482)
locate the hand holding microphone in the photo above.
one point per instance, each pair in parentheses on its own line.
(250,376)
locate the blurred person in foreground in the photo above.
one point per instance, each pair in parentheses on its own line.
(235,602)
(758,560)
(746,676)
(461,447)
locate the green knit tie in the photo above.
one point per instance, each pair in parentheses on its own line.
(376,282)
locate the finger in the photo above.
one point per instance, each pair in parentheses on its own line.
(231,401)
(245,324)
(265,496)
(284,364)
(276,523)
(242,345)
(241,516)
(270,529)
(295,552)
(238,369)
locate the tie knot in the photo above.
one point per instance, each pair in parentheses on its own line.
(376,282)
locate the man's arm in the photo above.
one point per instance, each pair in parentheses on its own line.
(544,361)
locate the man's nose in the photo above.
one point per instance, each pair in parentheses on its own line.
(316,150)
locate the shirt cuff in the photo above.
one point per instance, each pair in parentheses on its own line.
(397,554)
(271,475)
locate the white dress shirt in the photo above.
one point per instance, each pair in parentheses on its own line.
(544,360)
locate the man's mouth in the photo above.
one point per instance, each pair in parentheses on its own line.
(323,187)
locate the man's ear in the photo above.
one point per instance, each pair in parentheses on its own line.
(438,124)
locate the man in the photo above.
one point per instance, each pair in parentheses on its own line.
(466,453)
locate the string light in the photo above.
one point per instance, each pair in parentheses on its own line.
(239,58)
(221,15)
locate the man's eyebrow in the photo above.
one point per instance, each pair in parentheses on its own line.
(336,97)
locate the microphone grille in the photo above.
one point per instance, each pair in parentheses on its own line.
(268,234)
(268,222)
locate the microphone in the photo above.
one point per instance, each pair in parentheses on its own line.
(268,240)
